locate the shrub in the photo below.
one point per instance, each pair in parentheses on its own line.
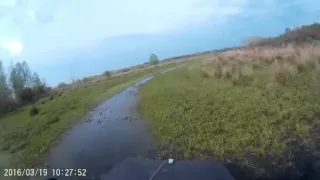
(62,85)
(124,70)
(300,66)
(218,71)
(241,79)
(8,106)
(107,74)
(85,79)
(26,95)
(227,71)
(282,72)
(51,97)
(243,74)
(204,74)
(34,111)
(282,77)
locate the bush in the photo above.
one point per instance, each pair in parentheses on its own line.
(60,93)
(301,66)
(107,74)
(204,74)
(282,77)
(62,85)
(34,111)
(242,79)
(85,79)
(218,71)
(227,71)
(8,106)
(124,70)
(26,95)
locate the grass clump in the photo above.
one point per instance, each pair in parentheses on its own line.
(261,118)
(34,111)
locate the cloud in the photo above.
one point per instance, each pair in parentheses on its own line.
(47,25)
(41,17)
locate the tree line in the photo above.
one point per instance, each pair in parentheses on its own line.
(19,86)
(299,35)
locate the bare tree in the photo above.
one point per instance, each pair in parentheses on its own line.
(20,77)
(287,30)
(5,92)
(35,80)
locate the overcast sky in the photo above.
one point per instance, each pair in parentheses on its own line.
(49,33)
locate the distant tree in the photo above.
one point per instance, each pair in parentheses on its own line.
(6,98)
(154,59)
(287,30)
(35,80)
(20,86)
(62,85)
(4,87)
(20,77)
(107,74)
(44,83)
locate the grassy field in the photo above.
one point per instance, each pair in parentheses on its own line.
(26,138)
(257,108)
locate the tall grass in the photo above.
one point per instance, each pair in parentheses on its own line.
(280,63)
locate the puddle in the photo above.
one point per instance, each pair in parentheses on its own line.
(112,132)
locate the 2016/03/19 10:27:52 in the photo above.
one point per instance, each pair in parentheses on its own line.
(68,172)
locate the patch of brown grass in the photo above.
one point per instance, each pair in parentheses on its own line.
(280,63)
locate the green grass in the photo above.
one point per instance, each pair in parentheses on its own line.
(26,138)
(199,116)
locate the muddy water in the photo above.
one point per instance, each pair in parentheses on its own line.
(112,132)
(109,134)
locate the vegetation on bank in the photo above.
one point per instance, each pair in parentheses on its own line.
(257,108)
(27,133)
(19,87)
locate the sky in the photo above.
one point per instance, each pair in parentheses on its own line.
(69,39)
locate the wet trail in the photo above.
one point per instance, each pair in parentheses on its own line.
(110,133)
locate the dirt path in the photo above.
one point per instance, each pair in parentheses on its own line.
(110,133)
